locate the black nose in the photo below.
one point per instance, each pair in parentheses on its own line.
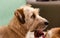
(46,23)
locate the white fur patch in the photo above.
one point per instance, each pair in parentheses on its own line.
(30,35)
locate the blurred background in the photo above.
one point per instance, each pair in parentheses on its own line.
(49,9)
(7,8)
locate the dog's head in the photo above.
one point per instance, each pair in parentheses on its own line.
(29,17)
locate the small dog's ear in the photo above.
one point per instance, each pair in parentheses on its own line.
(37,10)
(20,15)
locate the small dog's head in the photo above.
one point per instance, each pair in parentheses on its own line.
(29,17)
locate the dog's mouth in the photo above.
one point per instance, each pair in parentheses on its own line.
(39,32)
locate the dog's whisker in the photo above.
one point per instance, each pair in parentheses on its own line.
(45,27)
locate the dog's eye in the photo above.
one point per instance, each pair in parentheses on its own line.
(33,16)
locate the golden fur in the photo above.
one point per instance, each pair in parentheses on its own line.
(53,33)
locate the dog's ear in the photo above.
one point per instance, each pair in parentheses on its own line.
(37,10)
(20,15)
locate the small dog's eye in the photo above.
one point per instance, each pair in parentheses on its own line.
(33,16)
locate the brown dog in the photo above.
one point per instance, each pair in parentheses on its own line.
(26,18)
(53,33)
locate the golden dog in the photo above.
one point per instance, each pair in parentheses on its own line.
(53,33)
(26,18)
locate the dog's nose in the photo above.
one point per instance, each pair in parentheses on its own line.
(46,23)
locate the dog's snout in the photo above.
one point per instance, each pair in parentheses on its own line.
(46,23)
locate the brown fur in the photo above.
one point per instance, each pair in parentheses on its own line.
(13,30)
(55,33)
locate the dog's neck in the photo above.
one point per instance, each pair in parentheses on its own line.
(16,26)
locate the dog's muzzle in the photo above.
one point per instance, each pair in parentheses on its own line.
(41,26)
